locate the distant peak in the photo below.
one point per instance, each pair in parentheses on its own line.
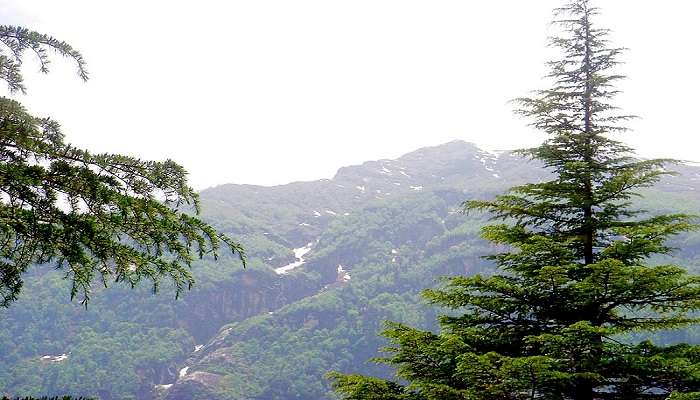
(455,148)
(432,162)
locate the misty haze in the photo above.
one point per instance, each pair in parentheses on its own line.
(324,200)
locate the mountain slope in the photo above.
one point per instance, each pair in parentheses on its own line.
(405,235)
(355,250)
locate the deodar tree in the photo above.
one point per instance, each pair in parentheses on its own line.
(576,276)
(98,217)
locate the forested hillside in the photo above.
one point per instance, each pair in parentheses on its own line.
(329,261)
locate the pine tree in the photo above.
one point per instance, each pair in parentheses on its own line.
(98,217)
(575,278)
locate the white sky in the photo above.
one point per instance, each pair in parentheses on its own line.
(272,91)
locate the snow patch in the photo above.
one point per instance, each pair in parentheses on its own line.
(317,214)
(417,188)
(494,153)
(164,387)
(343,275)
(198,347)
(331,212)
(299,255)
(183,372)
(404,174)
(486,166)
(361,188)
(485,157)
(385,171)
(58,358)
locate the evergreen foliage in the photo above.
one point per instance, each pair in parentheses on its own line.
(96,216)
(18,40)
(576,276)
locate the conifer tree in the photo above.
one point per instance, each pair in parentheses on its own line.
(575,278)
(98,217)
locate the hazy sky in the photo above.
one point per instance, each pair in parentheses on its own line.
(272,91)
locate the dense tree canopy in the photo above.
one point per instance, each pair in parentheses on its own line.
(577,277)
(98,217)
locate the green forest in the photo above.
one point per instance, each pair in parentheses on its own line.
(276,336)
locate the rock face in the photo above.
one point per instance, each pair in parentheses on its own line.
(254,293)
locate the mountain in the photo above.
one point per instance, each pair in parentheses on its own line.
(329,261)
